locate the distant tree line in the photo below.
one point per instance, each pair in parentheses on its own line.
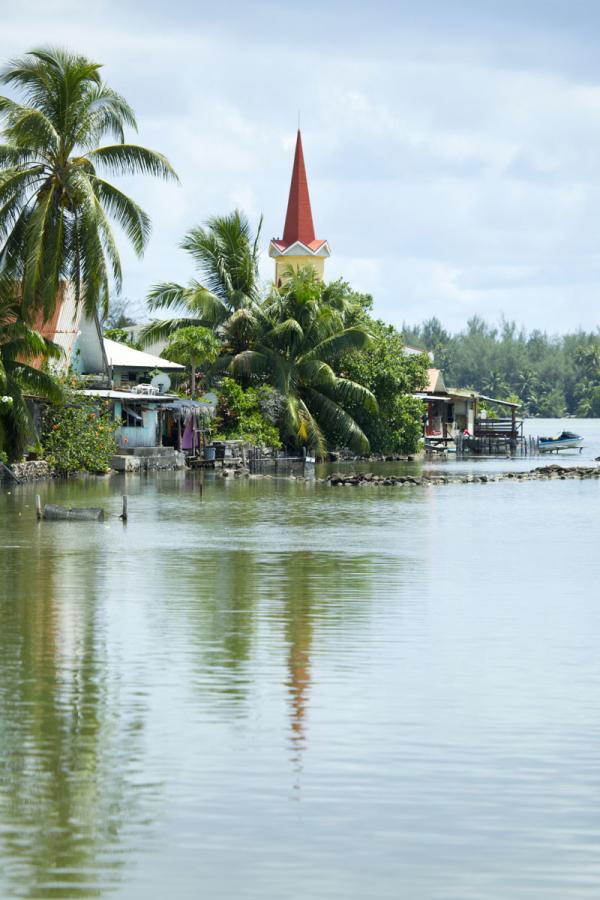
(550,375)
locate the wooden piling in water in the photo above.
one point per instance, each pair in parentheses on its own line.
(38,506)
(124,512)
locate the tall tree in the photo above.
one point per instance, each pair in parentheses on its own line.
(227,296)
(192,346)
(302,332)
(55,206)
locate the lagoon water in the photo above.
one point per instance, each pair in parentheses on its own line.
(289,690)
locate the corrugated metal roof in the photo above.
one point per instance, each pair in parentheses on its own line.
(63,325)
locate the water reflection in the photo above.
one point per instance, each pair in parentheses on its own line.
(69,744)
(417,670)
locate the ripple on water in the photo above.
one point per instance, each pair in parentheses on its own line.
(288,691)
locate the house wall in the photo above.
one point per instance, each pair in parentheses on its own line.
(463,415)
(88,356)
(145,435)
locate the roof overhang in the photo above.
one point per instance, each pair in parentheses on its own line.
(499,402)
(429,398)
(278,248)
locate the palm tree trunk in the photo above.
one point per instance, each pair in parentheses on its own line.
(193,379)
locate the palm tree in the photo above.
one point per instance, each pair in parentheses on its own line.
(227,297)
(192,346)
(526,382)
(19,346)
(55,208)
(302,333)
(494,383)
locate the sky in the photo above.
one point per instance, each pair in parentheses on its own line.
(452,148)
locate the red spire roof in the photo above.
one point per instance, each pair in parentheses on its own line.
(298,220)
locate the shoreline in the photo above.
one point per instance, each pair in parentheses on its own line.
(39,471)
(552,472)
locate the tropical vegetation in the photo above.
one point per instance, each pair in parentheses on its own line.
(550,375)
(242,414)
(58,139)
(20,348)
(227,295)
(393,377)
(55,204)
(292,337)
(302,364)
(79,433)
(192,346)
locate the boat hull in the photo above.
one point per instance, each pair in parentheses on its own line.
(566,444)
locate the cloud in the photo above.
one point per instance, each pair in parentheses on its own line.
(452,149)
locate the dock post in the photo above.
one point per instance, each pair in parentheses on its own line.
(38,506)
(124,513)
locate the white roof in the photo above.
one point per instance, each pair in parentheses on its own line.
(126,357)
(128,395)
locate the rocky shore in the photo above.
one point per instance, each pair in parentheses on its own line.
(33,470)
(543,473)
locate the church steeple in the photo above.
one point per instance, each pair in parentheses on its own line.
(298,220)
(298,247)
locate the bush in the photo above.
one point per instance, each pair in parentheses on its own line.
(393,377)
(79,435)
(239,415)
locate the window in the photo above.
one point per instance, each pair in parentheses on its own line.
(131,416)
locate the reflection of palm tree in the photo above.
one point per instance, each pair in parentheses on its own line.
(66,745)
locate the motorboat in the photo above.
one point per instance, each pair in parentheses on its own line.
(565,441)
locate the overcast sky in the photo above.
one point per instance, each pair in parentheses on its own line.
(452,148)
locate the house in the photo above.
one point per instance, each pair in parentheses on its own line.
(128,367)
(460,416)
(135,383)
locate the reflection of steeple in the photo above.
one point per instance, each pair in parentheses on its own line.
(299,635)
(298,684)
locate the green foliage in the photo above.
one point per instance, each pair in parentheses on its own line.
(239,415)
(303,328)
(551,376)
(228,294)
(288,339)
(392,376)
(79,435)
(121,336)
(192,346)
(20,347)
(55,206)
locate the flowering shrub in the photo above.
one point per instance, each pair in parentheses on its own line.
(239,415)
(79,434)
